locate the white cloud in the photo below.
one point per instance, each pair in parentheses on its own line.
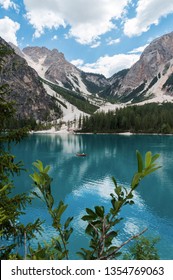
(77,62)
(6,4)
(148,12)
(8,29)
(54,38)
(111,42)
(139,50)
(87,33)
(47,20)
(87,20)
(109,65)
(96,45)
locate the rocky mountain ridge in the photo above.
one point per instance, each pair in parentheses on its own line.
(55,68)
(147,77)
(26,90)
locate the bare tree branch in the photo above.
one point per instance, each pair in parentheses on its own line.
(123,244)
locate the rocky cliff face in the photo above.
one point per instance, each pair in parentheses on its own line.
(55,68)
(114,84)
(147,76)
(26,90)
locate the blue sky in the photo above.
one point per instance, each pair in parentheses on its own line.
(102,36)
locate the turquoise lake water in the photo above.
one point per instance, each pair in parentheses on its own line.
(86,181)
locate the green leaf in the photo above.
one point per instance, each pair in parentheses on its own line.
(114,181)
(155,157)
(50,200)
(140,161)
(39,165)
(130,195)
(148,157)
(149,171)
(91,213)
(67,234)
(4,188)
(36,178)
(46,169)
(136,179)
(112,234)
(68,221)
(115,204)
(89,229)
(61,208)
(118,190)
(87,218)
(100,211)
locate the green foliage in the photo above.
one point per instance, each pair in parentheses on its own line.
(43,181)
(148,118)
(101,225)
(143,249)
(47,251)
(12,207)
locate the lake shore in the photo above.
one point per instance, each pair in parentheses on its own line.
(66,131)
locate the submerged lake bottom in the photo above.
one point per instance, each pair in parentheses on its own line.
(86,182)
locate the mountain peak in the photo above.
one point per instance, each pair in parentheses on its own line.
(148,70)
(55,68)
(36,53)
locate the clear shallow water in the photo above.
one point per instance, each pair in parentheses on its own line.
(86,181)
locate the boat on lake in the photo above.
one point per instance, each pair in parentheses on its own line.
(81,155)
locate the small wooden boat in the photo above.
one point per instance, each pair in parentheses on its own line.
(81,155)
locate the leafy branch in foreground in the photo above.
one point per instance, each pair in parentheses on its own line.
(101,225)
(143,249)
(43,181)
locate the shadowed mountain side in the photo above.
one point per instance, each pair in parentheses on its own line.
(25,89)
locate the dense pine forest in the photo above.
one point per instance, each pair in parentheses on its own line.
(148,118)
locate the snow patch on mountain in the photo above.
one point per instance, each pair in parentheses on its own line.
(39,66)
(77,83)
(71,112)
